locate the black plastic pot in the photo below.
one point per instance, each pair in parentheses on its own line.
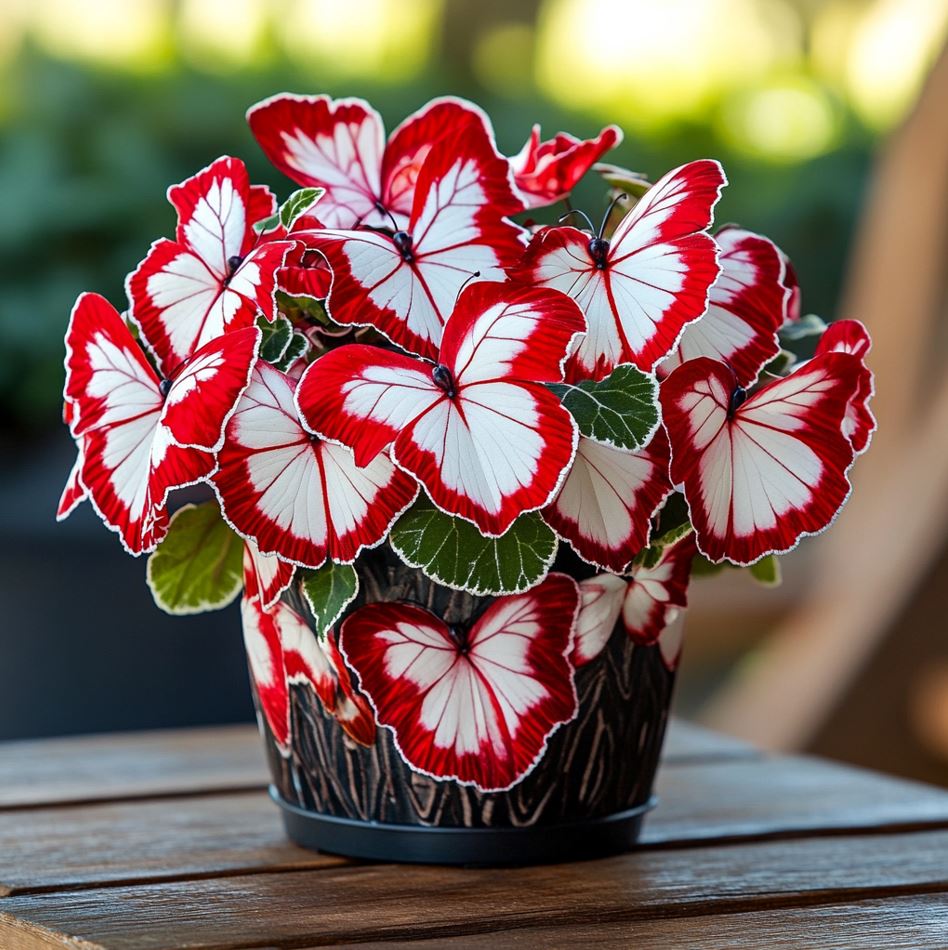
(586,797)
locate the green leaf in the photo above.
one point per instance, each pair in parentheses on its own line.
(267,224)
(276,338)
(781,363)
(453,552)
(298,204)
(634,184)
(766,571)
(673,514)
(198,565)
(620,410)
(328,591)
(806,326)
(306,307)
(296,348)
(702,567)
(653,553)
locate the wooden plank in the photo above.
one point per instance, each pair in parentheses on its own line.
(130,765)
(201,836)
(187,761)
(784,796)
(146,841)
(687,743)
(377,902)
(900,924)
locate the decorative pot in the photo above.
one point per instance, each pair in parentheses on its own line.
(407,379)
(344,787)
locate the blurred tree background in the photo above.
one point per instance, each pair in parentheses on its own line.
(104,103)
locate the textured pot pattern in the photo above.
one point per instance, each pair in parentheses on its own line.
(601,763)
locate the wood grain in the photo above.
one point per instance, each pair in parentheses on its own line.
(899,924)
(363,903)
(687,743)
(201,836)
(211,867)
(786,795)
(130,765)
(121,843)
(134,765)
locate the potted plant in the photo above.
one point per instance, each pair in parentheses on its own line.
(462,467)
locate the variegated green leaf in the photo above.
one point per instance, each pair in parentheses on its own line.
(453,551)
(620,410)
(328,590)
(198,565)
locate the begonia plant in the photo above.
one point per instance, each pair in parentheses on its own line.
(566,419)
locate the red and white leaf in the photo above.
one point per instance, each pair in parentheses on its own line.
(649,601)
(475,706)
(265,658)
(406,287)
(340,145)
(600,604)
(297,496)
(74,492)
(761,474)
(655,596)
(499,330)
(501,450)
(265,575)
(215,276)
(547,172)
(845,336)
(305,273)
(851,336)
(216,208)
(204,394)
(747,306)
(670,642)
(605,506)
(351,709)
(325,143)
(651,281)
(794,300)
(364,396)
(487,445)
(129,460)
(283,651)
(410,143)
(305,662)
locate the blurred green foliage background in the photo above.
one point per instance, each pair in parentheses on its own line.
(105,103)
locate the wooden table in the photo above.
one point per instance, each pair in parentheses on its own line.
(168,840)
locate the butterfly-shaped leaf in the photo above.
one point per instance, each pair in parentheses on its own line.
(760,473)
(477,428)
(475,703)
(640,288)
(295,495)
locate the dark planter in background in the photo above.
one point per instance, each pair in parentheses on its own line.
(84,648)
